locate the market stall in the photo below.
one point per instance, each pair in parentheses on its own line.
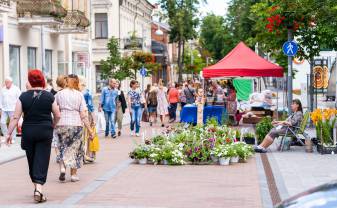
(240,62)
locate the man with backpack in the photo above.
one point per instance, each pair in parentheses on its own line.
(189,92)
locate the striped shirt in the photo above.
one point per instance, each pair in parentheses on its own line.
(71,103)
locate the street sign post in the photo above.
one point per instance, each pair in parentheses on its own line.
(143,73)
(290,49)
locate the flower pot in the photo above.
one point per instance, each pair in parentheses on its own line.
(143,161)
(164,162)
(214,159)
(234,159)
(249,140)
(224,161)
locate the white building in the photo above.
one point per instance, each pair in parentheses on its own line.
(32,35)
(119,19)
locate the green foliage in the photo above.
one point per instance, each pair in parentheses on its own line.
(324,131)
(196,65)
(263,127)
(118,67)
(215,37)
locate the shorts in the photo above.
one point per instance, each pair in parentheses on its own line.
(274,133)
(152,109)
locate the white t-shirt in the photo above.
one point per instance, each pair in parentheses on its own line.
(9,97)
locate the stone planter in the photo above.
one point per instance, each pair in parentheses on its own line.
(164,162)
(234,159)
(224,161)
(142,161)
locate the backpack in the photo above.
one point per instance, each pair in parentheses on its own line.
(152,99)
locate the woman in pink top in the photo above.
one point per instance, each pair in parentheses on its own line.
(173,98)
(70,129)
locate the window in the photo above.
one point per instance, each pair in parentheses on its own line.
(60,63)
(48,63)
(101,25)
(100,83)
(31,54)
(14,64)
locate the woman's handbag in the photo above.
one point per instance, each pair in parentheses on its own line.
(145,116)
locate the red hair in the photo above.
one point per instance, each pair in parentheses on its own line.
(36,78)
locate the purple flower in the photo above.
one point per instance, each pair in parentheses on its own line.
(211,139)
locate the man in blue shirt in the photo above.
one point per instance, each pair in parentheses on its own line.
(108,105)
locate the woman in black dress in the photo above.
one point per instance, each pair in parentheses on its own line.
(36,105)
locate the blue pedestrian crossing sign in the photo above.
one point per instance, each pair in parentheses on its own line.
(290,48)
(143,71)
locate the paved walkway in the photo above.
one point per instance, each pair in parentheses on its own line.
(296,171)
(113,181)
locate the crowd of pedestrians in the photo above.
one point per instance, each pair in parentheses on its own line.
(63,118)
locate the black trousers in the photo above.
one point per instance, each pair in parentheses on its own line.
(37,144)
(173,110)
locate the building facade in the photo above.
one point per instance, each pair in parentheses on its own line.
(46,34)
(121,19)
(165,53)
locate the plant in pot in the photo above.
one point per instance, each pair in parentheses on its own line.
(172,154)
(155,154)
(249,138)
(140,153)
(221,151)
(263,128)
(232,152)
(324,120)
(244,151)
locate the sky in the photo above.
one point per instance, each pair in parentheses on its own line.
(218,7)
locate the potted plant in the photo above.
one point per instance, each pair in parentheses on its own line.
(232,152)
(155,155)
(221,151)
(244,151)
(141,153)
(262,128)
(249,138)
(324,120)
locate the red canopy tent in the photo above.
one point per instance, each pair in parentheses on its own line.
(243,62)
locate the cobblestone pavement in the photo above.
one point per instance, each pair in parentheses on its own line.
(113,181)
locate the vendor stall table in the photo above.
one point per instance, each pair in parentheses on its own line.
(189,113)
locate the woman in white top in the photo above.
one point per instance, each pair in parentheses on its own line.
(69,129)
(162,108)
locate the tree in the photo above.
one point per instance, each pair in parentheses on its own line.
(183,22)
(111,64)
(193,63)
(215,36)
(141,59)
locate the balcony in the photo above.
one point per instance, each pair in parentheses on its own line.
(5,5)
(133,43)
(75,22)
(40,12)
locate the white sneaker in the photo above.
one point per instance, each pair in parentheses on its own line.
(137,135)
(74,178)
(132,133)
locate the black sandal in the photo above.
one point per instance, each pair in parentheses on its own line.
(62,177)
(39,198)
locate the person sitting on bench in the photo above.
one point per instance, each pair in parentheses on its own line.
(280,127)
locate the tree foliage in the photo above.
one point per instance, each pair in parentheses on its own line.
(118,67)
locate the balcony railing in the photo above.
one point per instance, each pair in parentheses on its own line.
(5,5)
(38,9)
(74,22)
(133,43)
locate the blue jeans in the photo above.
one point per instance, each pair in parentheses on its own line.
(110,122)
(136,117)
